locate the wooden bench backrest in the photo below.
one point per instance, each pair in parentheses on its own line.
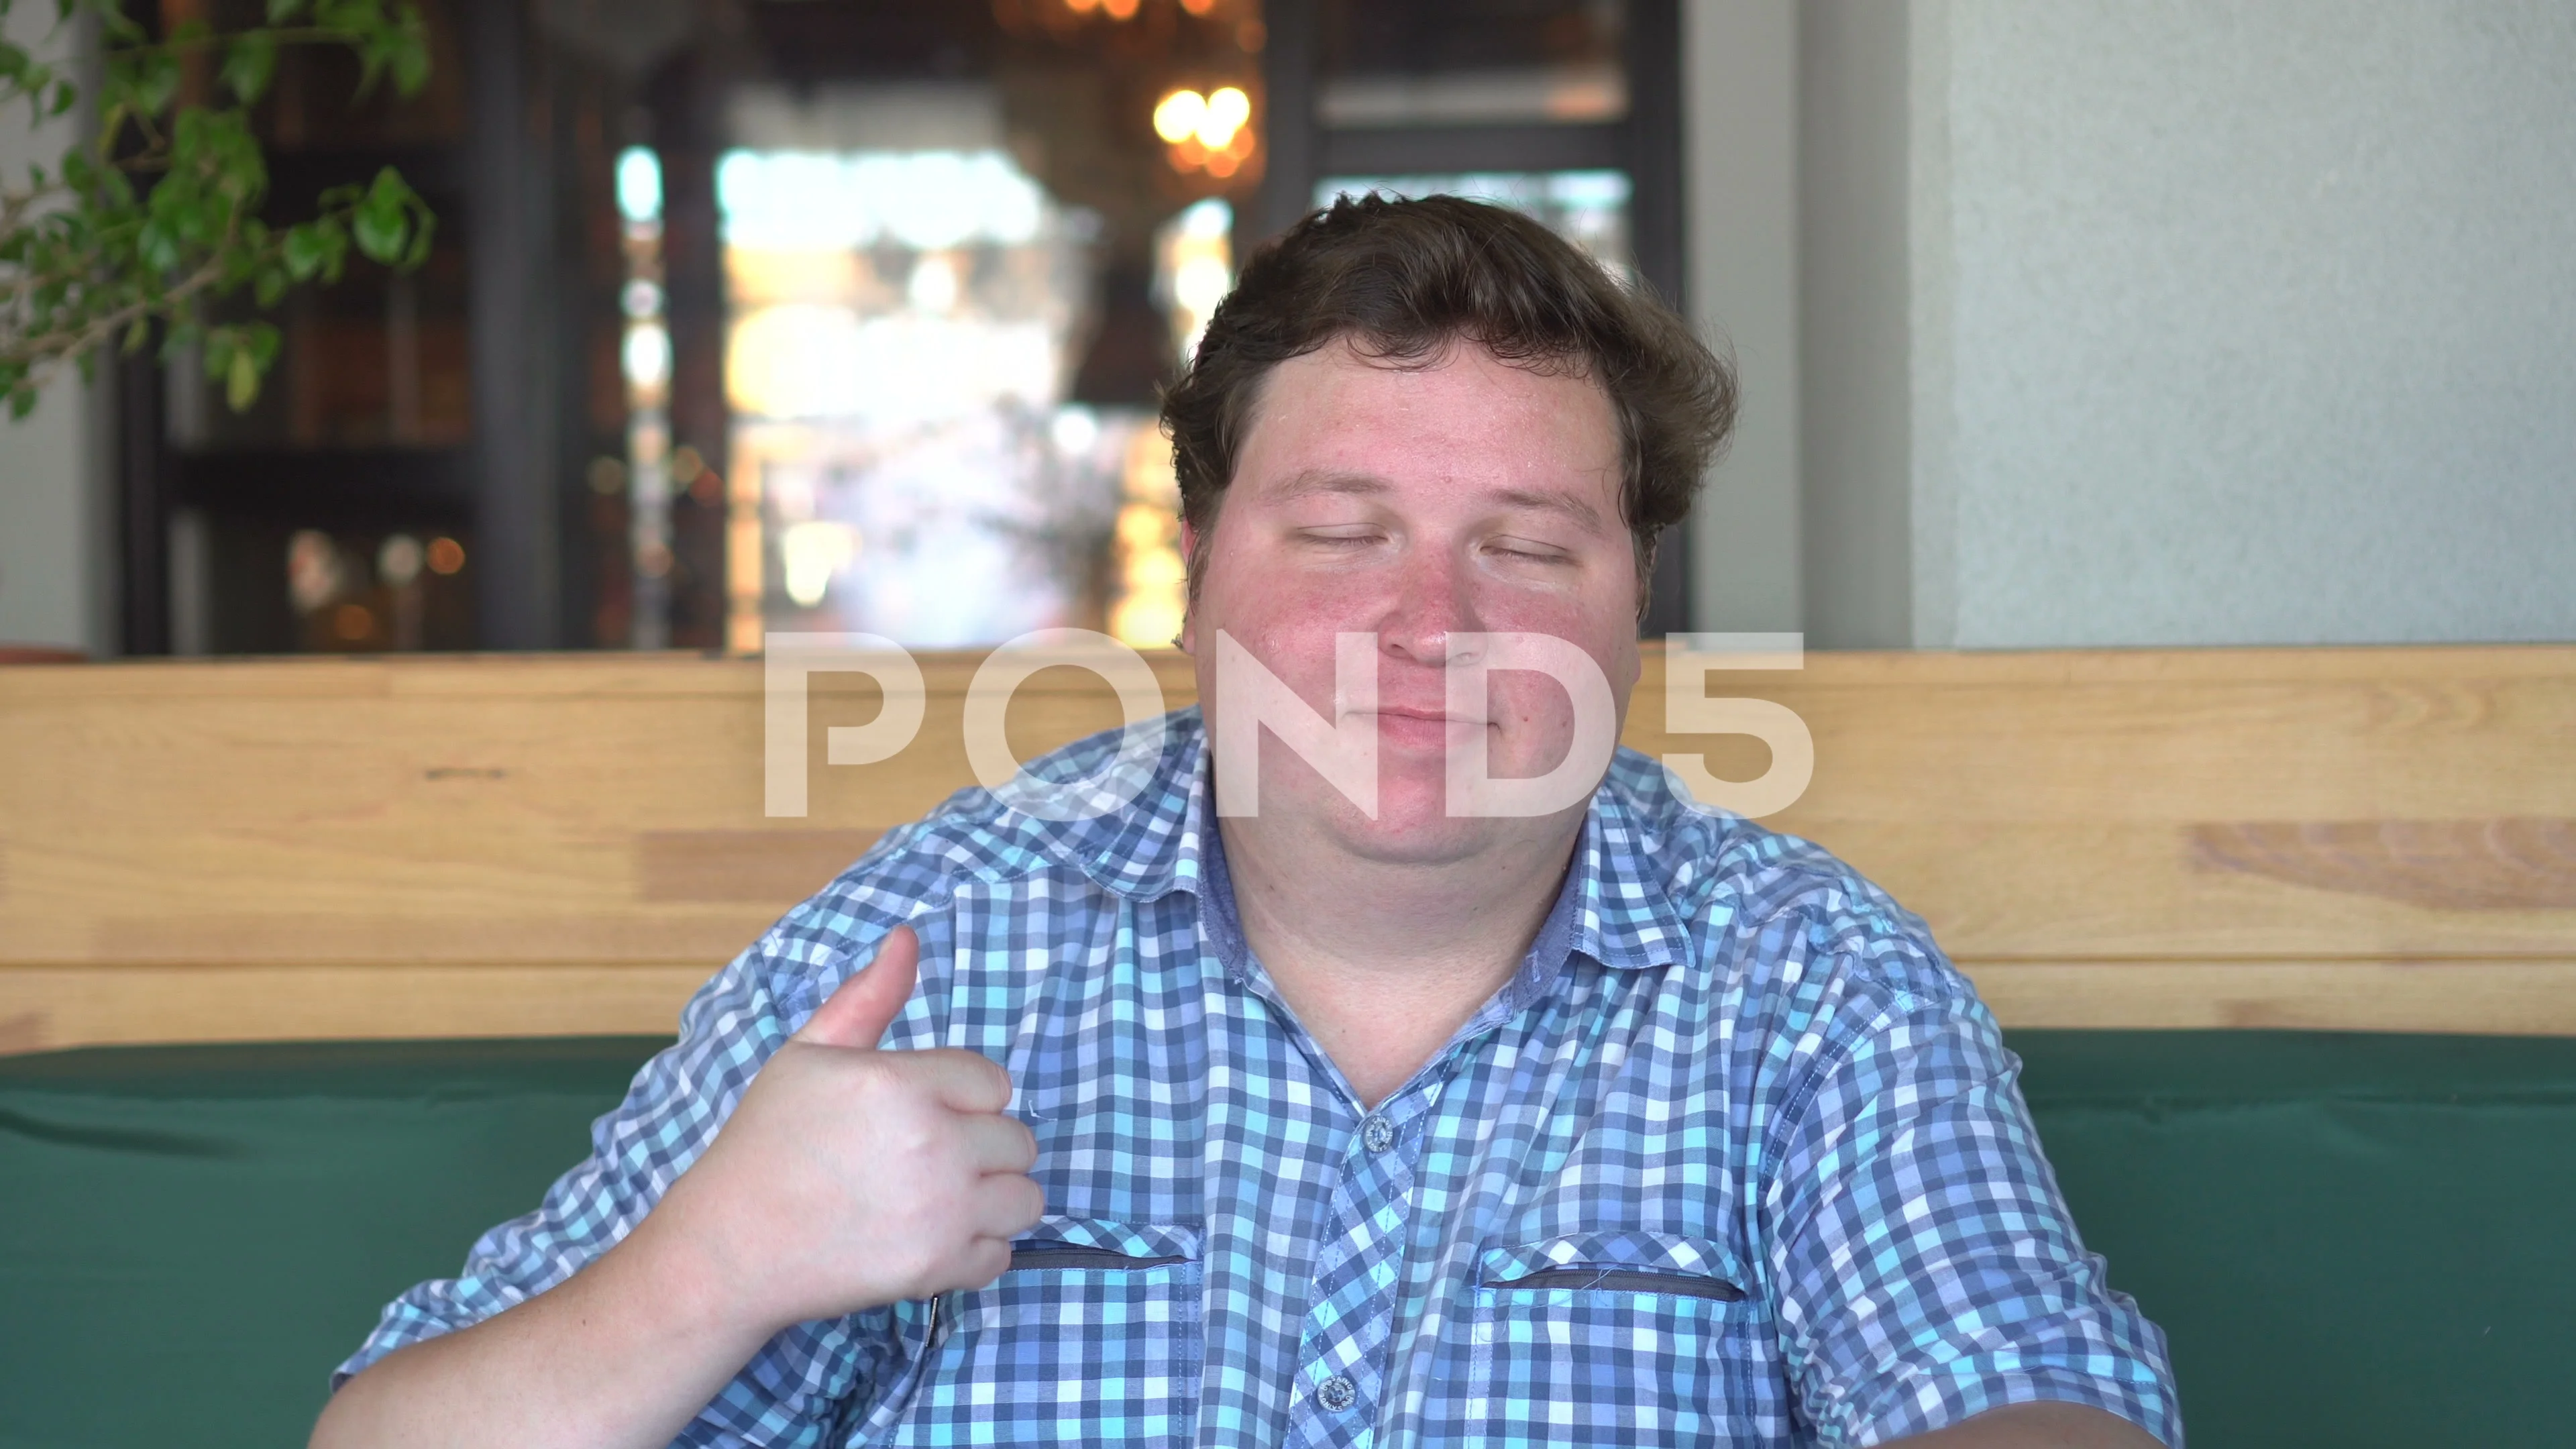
(2356,838)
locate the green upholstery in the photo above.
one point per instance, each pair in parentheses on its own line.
(2352,1240)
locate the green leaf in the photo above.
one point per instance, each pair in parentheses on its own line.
(153,81)
(66,96)
(422,226)
(303,251)
(361,17)
(335,246)
(382,221)
(372,55)
(411,64)
(22,401)
(241,381)
(249,63)
(159,248)
(137,334)
(282,11)
(380,231)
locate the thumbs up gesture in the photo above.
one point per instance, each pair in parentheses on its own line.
(850,1177)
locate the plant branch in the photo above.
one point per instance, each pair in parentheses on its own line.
(159,215)
(44,354)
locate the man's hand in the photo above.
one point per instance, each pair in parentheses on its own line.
(850,1177)
(2036,1426)
(846,1178)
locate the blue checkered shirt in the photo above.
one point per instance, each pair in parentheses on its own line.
(1734,1158)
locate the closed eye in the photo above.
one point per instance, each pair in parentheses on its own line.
(1521,550)
(1343,537)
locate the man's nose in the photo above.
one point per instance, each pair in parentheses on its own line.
(1431,606)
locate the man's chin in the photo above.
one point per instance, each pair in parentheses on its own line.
(1412,827)
(1416,832)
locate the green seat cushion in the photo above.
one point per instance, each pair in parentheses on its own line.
(191,1238)
(2350,1239)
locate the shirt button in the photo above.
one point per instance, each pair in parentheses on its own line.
(1377,1134)
(1336,1393)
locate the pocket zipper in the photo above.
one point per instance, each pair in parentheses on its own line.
(1626,1280)
(1060,1258)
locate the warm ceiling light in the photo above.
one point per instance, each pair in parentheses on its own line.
(1119,9)
(1179,115)
(1198,7)
(1081,7)
(1227,109)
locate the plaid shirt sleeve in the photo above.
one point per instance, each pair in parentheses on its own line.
(787,1394)
(1926,1268)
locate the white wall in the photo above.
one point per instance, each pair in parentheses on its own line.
(2260,320)
(2196,322)
(53,587)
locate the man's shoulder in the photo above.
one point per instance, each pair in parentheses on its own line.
(1748,889)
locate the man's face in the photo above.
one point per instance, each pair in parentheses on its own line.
(1416,504)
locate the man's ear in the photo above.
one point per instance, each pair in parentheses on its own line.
(1187,640)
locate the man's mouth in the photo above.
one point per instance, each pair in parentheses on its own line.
(1398,724)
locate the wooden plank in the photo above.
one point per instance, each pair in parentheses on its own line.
(45,1008)
(2532,998)
(49,1007)
(2128,836)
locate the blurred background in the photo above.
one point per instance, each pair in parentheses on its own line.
(2073,323)
(750,315)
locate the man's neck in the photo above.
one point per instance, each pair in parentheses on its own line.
(1381,961)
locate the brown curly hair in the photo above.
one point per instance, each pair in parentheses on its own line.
(1401,280)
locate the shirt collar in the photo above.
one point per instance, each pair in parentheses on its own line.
(1624,916)
(1151,848)
(1614,903)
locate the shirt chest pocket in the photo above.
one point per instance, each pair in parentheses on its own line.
(1625,1338)
(1094,1336)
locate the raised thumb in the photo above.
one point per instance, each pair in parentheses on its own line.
(857,1014)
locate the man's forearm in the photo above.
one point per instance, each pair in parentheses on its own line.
(2036,1426)
(789,1216)
(625,1352)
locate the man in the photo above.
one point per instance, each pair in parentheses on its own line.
(1333,1121)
